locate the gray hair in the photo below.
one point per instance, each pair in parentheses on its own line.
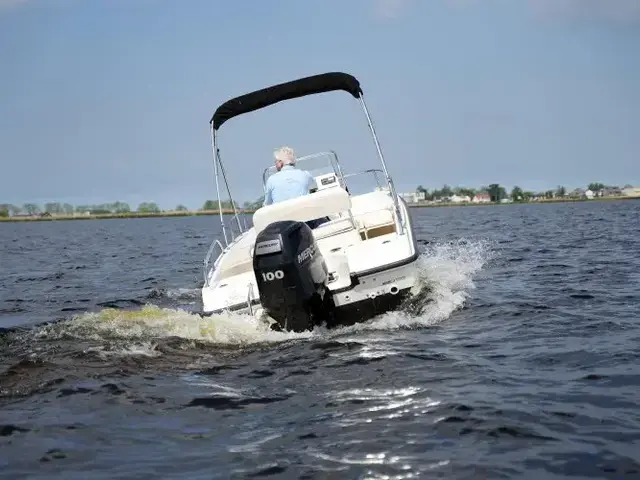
(286,155)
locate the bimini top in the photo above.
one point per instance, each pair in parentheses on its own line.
(325,82)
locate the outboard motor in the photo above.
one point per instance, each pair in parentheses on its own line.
(291,274)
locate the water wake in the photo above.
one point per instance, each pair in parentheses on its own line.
(447,280)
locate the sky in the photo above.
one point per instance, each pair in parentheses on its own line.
(111,100)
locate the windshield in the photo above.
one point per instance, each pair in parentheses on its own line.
(317,164)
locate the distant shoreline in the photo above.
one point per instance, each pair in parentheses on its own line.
(537,202)
(105,216)
(190,213)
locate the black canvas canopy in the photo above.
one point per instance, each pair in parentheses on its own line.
(325,82)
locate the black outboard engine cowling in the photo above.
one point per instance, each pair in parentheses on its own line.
(291,274)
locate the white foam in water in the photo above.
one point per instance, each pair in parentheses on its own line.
(185,293)
(152,321)
(448,270)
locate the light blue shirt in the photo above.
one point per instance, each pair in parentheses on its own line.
(286,184)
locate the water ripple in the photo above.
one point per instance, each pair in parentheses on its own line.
(521,363)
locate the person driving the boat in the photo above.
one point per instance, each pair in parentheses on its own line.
(288,182)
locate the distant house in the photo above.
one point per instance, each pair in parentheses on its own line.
(481,198)
(414,197)
(589,194)
(631,192)
(609,192)
(460,199)
(577,193)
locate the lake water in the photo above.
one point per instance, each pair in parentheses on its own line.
(525,363)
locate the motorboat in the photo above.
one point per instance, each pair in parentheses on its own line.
(359,263)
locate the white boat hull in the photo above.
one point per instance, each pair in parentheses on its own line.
(372,273)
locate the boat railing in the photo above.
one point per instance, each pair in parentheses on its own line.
(371,171)
(382,185)
(237,227)
(250,298)
(208,262)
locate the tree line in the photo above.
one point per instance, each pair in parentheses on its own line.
(228,205)
(495,191)
(57,208)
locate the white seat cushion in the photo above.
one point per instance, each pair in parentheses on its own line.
(333,228)
(238,259)
(374,219)
(307,207)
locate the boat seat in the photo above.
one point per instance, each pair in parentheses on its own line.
(335,227)
(322,203)
(240,264)
(374,214)
(375,223)
(238,259)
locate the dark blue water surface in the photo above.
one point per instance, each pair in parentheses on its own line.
(525,363)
